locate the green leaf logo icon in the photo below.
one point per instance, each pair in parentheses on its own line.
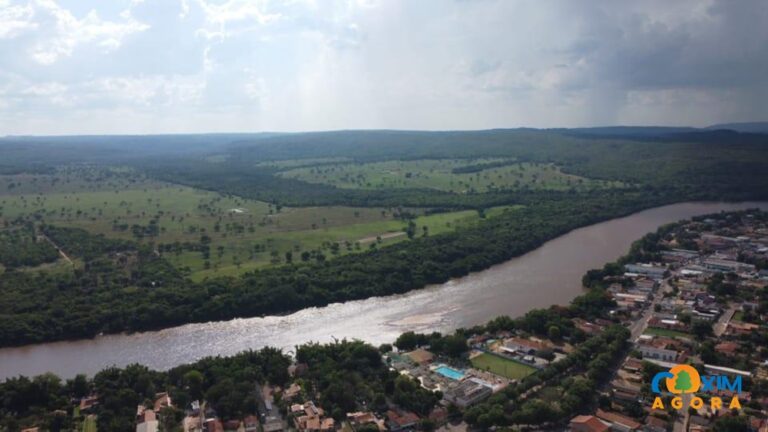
(683,381)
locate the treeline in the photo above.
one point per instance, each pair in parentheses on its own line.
(229,384)
(474,168)
(105,294)
(345,376)
(342,377)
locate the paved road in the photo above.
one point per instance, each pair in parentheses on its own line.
(681,421)
(722,324)
(638,326)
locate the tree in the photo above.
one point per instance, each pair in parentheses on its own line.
(454,345)
(407,341)
(701,329)
(411,229)
(554,333)
(193,380)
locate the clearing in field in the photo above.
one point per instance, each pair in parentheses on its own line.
(453,175)
(502,366)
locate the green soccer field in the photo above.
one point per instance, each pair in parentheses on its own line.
(502,367)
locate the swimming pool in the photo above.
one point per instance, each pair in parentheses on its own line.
(449,372)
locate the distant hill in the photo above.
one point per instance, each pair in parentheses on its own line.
(750,127)
(627,130)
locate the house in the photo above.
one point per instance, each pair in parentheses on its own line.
(273,424)
(618,422)
(654,424)
(162,400)
(191,423)
(626,395)
(646,270)
(421,356)
(469,392)
(291,392)
(313,419)
(727,348)
(660,348)
(737,328)
(588,423)
(632,365)
(232,425)
(88,402)
(587,327)
(749,306)
(359,419)
(398,420)
(636,300)
(724,265)
(251,423)
(146,420)
(523,346)
(645,285)
(213,425)
(439,415)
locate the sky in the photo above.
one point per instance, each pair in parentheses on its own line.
(189,66)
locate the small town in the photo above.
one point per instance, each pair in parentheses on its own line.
(694,292)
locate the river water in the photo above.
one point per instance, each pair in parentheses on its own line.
(548,275)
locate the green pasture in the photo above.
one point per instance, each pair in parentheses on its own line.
(244,234)
(438,174)
(501,366)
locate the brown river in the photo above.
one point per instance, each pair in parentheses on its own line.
(548,275)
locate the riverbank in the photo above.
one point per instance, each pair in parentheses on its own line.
(548,275)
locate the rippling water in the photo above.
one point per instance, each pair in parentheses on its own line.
(548,275)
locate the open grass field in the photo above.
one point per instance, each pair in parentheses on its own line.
(446,175)
(501,366)
(242,234)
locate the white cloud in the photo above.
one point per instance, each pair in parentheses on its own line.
(222,19)
(15,19)
(64,32)
(214,65)
(237,10)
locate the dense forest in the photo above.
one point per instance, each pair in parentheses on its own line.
(20,246)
